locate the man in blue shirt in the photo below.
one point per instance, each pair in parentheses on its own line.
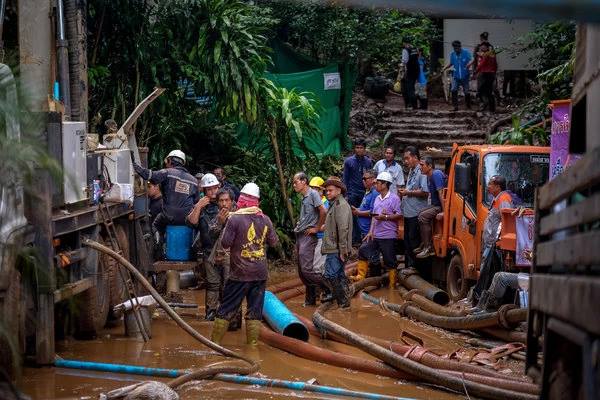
(460,59)
(366,206)
(354,168)
(436,183)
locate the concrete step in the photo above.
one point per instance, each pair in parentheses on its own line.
(433,134)
(385,126)
(430,120)
(433,113)
(422,143)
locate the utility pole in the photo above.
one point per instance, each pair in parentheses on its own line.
(35,49)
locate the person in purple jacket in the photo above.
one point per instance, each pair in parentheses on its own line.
(246,234)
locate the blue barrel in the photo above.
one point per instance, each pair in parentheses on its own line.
(281,319)
(179,243)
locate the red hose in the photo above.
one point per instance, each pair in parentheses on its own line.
(311,352)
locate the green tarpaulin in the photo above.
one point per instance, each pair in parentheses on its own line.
(292,70)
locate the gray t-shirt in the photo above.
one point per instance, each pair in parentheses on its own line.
(412,206)
(309,213)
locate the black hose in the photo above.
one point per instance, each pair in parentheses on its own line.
(252,367)
(412,367)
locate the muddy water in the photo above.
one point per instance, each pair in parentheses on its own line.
(170,347)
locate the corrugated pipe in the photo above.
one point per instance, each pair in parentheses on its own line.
(248,380)
(279,317)
(426,373)
(418,354)
(412,280)
(506,335)
(477,321)
(424,303)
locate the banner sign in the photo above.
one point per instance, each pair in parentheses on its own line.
(524,227)
(559,138)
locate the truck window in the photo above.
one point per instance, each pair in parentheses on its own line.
(523,173)
(473,161)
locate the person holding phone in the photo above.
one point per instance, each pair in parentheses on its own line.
(381,238)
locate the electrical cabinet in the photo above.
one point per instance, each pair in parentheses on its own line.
(74,161)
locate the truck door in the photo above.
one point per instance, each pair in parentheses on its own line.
(463,225)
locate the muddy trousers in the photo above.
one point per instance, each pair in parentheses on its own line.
(503,284)
(216,276)
(336,280)
(234,293)
(354,199)
(426,218)
(312,279)
(485,90)
(457,83)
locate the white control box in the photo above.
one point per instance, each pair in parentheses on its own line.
(120,172)
(74,161)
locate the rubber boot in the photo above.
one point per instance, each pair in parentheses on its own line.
(218,331)
(310,296)
(211,303)
(362,267)
(455,100)
(236,322)
(252,331)
(392,277)
(340,291)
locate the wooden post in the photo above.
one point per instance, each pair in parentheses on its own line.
(35,48)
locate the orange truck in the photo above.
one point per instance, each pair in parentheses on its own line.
(457,238)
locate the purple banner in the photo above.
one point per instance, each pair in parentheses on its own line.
(559,138)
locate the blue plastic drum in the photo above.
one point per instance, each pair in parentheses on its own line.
(179,243)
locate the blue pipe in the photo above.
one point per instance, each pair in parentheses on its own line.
(279,317)
(240,379)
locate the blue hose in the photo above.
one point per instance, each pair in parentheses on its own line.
(240,379)
(279,317)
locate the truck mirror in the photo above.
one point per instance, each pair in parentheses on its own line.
(462,178)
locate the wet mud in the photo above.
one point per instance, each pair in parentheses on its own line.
(170,347)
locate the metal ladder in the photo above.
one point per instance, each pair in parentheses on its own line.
(109,225)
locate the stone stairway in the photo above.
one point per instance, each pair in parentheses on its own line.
(439,127)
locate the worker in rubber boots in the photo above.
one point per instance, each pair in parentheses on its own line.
(246,234)
(364,214)
(337,241)
(179,190)
(317,183)
(382,235)
(203,215)
(312,217)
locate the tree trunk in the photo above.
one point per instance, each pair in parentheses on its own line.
(282,183)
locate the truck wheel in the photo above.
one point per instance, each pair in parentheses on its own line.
(93,304)
(456,284)
(117,287)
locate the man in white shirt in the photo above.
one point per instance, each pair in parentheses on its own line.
(389,164)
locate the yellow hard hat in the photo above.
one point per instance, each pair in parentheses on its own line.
(316,181)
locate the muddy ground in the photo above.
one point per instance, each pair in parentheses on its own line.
(170,347)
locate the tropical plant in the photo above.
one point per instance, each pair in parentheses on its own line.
(522,134)
(289,116)
(333,32)
(230,57)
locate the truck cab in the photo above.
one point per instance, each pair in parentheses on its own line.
(457,236)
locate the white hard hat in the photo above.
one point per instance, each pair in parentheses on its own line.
(251,189)
(177,153)
(209,180)
(385,176)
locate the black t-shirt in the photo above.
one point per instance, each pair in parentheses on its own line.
(412,66)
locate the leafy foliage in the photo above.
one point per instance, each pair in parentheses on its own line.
(518,134)
(331,32)
(553,46)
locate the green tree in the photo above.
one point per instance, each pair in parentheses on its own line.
(289,116)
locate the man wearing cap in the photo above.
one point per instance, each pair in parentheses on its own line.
(381,238)
(337,242)
(414,200)
(354,167)
(246,234)
(202,216)
(312,217)
(178,187)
